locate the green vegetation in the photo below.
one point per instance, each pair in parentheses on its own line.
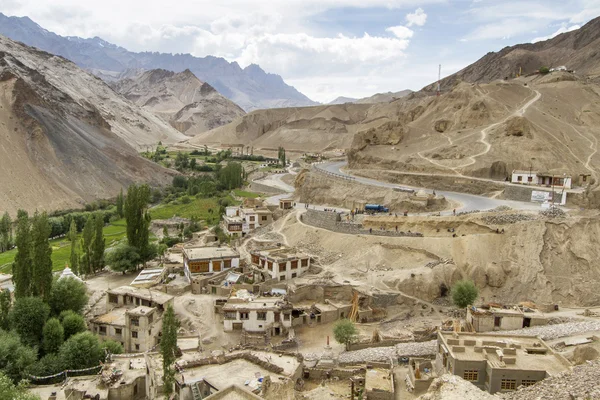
(8,391)
(464,293)
(168,347)
(344,331)
(245,194)
(203,209)
(544,70)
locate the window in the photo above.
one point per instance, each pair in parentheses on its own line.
(244,315)
(135,321)
(255,259)
(294,264)
(261,316)
(270,266)
(519,178)
(471,375)
(282,278)
(113,298)
(137,346)
(294,275)
(216,264)
(230,315)
(199,266)
(528,382)
(286,317)
(282,266)
(134,334)
(508,384)
(118,331)
(530,179)
(251,219)
(584,178)
(264,217)
(497,322)
(102,330)
(305,262)
(226,263)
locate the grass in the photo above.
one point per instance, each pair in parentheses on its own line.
(246,194)
(61,248)
(201,208)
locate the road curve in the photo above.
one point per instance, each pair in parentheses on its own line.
(469,202)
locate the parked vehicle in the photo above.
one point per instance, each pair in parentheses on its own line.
(376,208)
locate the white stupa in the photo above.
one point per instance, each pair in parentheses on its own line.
(67,273)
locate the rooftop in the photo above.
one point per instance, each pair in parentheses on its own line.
(114,317)
(505,351)
(256,304)
(280,252)
(233,392)
(378,379)
(147,276)
(506,310)
(146,294)
(141,310)
(206,253)
(233,220)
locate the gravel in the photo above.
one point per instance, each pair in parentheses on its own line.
(385,353)
(549,332)
(502,219)
(553,213)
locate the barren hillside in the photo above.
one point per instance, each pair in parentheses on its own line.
(67,137)
(188,104)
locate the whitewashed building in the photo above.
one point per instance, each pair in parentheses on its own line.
(281,263)
(541,179)
(262,314)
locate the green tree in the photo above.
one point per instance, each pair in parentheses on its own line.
(544,70)
(112,347)
(72,323)
(464,293)
(87,238)
(168,347)
(15,357)
(138,219)
(21,268)
(123,258)
(8,390)
(50,364)
(27,317)
(68,294)
(193,164)
(344,331)
(81,350)
(74,257)
(207,188)
(5,304)
(231,176)
(165,231)
(54,335)
(98,244)
(162,250)
(120,204)
(5,233)
(41,256)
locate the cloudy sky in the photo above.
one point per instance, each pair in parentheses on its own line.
(325,48)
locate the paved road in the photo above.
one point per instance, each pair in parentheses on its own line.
(469,202)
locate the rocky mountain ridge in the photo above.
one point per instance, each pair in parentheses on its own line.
(251,87)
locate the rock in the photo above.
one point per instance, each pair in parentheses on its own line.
(518,126)
(442,125)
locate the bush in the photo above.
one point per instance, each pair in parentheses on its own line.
(81,351)
(8,391)
(544,70)
(464,293)
(186,200)
(15,357)
(27,317)
(68,294)
(112,347)
(344,331)
(123,258)
(72,323)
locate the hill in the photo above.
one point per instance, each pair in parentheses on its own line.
(251,87)
(576,50)
(376,98)
(190,105)
(67,138)
(342,100)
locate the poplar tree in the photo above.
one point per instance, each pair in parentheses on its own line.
(98,244)
(74,257)
(168,347)
(41,256)
(120,203)
(21,268)
(5,232)
(138,220)
(87,236)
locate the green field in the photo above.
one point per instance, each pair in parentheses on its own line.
(244,193)
(204,209)
(61,248)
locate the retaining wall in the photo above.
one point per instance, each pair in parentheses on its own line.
(332,222)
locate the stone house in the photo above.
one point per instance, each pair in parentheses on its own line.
(202,262)
(490,318)
(262,314)
(281,263)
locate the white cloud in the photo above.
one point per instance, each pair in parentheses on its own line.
(417,18)
(401,32)
(562,29)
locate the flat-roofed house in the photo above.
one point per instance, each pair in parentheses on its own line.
(200,262)
(281,263)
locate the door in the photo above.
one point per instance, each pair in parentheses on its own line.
(497,322)
(526,322)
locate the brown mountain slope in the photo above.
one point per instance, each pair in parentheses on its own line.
(188,104)
(578,50)
(57,149)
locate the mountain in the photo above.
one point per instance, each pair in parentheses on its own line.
(251,87)
(342,100)
(384,97)
(376,98)
(190,105)
(576,50)
(66,137)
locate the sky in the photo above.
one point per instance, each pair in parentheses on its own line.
(324,48)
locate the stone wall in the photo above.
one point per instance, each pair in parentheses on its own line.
(332,222)
(259,187)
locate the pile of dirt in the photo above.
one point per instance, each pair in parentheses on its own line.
(452,387)
(518,126)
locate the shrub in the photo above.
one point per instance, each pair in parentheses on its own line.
(464,293)
(68,294)
(27,317)
(544,70)
(72,323)
(344,331)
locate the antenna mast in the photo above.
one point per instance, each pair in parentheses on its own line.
(439,79)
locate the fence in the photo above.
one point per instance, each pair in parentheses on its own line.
(333,174)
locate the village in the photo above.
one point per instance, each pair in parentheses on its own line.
(258,314)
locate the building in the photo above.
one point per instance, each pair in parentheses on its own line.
(149,277)
(497,363)
(495,318)
(259,315)
(238,221)
(232,226)
(133,318)
(379,384)
(420,374)
(542,179)
(286,204)
(281,263)
(205,261)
